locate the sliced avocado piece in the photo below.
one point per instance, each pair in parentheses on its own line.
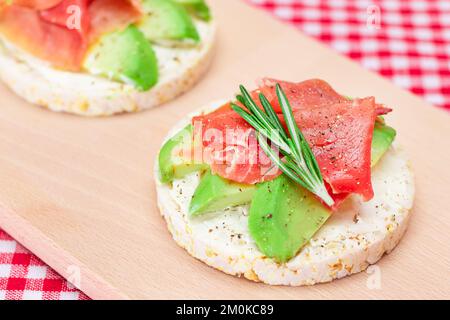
(383,136)
(283,217)
(124,56)
(198,8)
(216,193)
(167,20)
(175,159)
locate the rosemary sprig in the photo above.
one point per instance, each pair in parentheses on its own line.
(298,162)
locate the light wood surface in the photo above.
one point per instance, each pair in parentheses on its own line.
(79,192)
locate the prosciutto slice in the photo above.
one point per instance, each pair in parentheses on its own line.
(339,131)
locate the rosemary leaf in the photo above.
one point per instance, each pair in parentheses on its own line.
(248,117)
(257,112)
(299,162)
(289,117)
(283,166)
(272,115)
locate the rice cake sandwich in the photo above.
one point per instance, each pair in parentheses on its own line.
(101,57)
(290,184)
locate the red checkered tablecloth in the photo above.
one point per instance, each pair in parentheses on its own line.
(407,41)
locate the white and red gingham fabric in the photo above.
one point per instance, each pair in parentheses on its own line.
(410,45)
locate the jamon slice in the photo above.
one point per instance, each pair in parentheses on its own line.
(309,94)
(340,136)
(231,149)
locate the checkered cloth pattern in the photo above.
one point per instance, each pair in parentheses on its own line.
(405,41)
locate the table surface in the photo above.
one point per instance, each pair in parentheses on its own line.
(411,46)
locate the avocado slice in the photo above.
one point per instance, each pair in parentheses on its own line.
(198,8)
(173,164)
(124,56)
(216,193)
(283,217)
(167,20)
(383,136)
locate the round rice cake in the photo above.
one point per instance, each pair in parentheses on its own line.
(354,237)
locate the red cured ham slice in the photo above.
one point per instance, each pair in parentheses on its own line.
(340,136)
(110,15)
(60,31)
(339,131)
(35,4)
(313,93)
(62,47)
(231,149)
(70,14)
(309,94)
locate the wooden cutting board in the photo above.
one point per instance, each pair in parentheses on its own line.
(79,192)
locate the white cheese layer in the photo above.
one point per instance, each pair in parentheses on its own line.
(354,237)
(86,94)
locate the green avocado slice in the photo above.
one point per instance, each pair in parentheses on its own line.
(167,20)
(215,193)
(383,136)
(124,56)
(172,163)
(283,217)
(198,8)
